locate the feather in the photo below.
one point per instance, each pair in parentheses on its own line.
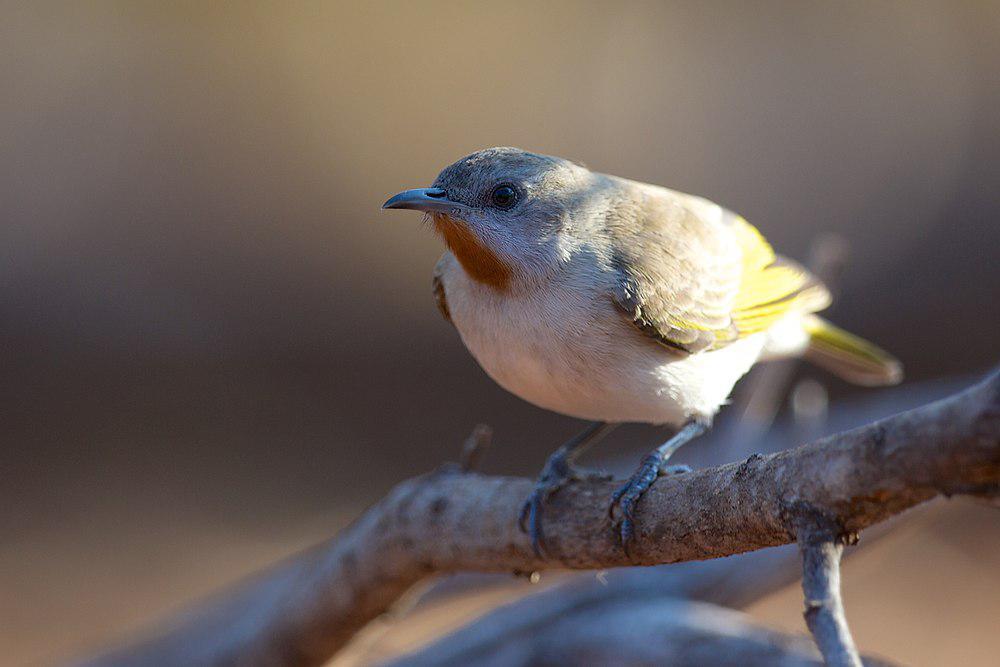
(849,357)
(695,277)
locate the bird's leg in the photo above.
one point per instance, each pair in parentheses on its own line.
(558,470)
(652,466)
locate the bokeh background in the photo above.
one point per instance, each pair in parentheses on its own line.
(216,349)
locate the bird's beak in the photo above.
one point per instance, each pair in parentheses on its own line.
(431,200)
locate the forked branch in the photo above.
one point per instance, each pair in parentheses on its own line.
(304,610)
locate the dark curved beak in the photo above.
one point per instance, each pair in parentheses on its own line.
(431,200)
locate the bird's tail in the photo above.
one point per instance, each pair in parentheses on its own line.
(848,356)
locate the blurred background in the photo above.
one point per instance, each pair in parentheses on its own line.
(217,350)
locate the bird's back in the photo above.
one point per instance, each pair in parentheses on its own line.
(695,276)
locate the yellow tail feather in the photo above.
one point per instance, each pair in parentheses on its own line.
(850,357)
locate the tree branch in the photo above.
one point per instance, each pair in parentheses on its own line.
(821,550)
(543,630)
(657,631)
(306,609)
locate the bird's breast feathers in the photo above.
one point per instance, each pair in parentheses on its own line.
(567,348)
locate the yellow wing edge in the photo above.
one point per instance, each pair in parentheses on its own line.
(771,286)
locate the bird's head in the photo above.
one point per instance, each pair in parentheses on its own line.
(506,214)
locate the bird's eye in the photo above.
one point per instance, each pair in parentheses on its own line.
(504,196)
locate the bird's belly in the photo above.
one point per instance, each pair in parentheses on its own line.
(596,366)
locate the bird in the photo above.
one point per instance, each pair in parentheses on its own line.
(617,301)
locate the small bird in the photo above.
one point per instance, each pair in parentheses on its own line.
(617,301)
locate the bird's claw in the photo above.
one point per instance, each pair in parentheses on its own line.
(555,476)
(627,496)
(530,520)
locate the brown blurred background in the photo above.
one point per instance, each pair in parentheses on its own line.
(216,349)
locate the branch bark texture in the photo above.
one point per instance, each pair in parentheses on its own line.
(663,631)
(306,609)
(824,613)
(543,630)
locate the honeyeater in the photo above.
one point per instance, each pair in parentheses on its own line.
(617,301)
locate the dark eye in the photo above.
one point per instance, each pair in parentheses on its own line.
(504,196)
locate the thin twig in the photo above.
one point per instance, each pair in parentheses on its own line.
(821,549)
(475,447)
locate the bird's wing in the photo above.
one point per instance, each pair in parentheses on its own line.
(694,276)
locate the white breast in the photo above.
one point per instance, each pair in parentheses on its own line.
(566,348)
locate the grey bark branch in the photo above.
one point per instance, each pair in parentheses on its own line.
(303,611)
(651,631)
(821,549)
(532,621)
(617,630)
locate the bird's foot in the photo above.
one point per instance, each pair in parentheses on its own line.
(628,495)
(558,472)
